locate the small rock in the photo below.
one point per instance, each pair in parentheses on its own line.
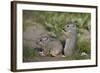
(84,54)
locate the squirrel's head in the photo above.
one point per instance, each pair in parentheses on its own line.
(43,40)
(70,27)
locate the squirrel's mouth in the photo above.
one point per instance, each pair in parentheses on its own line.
(64,29)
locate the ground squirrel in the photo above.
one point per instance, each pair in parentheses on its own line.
(70,41)
(50,46)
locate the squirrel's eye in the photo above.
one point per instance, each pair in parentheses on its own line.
(40,40)
(67,25)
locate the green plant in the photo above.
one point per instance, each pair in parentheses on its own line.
(55,21)
(29,52)
(84,46)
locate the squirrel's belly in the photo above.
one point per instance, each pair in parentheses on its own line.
(69,46)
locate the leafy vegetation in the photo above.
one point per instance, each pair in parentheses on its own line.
(29,52)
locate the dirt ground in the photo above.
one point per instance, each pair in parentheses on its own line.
(41,59)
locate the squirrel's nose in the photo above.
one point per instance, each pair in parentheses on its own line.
(63,29)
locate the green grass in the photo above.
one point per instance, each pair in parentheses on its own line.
(29,52)
(84,46)
(55,21)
